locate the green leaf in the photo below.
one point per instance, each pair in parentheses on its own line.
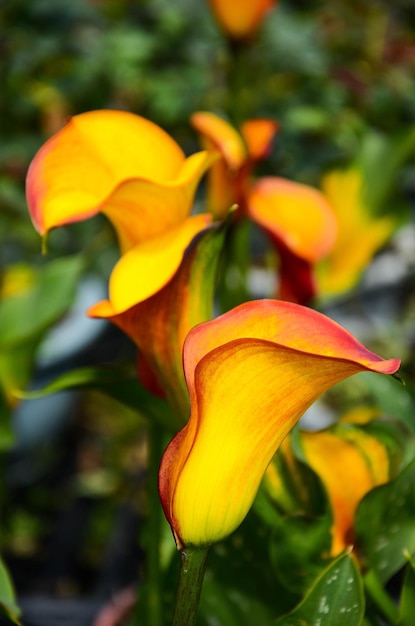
(222,604)
(117,384)
(335,599)
(8,606)
(29,314)
(385,524)
(407,603)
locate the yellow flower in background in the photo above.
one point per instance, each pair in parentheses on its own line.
(349,463)
(119,164)
(240,20)
(360,235)
(251,373)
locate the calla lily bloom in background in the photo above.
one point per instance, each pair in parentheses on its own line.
(119,164)
(158,314)
(297,217)
(128,168)
(251,373)
(349,462)
(360,234)
(240,20)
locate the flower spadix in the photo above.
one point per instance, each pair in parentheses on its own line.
(117,163)
(251,373)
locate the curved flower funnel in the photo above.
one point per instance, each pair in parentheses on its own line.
(251,373)
(349,463)
(360,234)
(302,225)
(240,20)
(119,164)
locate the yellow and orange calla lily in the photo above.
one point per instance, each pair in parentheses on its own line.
(251,373)
(128,168)
(117,163)
(349,463)
(240,20)
(297,217)
(360,234)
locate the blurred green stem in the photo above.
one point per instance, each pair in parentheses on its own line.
(192,570)
(153,609)
(236,81)
(155,448)
(380,598)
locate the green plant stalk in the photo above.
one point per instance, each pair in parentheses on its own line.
(155,435)
(236,81)
(380,598)
(153,605)
(192,570)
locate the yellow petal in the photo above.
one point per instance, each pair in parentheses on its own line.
(350,463)
(148,267)
(251,373)
(118,163)
(240,19)
(142,209)
(359,235)
(297,214)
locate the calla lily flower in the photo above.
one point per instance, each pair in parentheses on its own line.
(119,164)
(128,168)
(297,217)
(349,463)
(359,236)
(251,373)
(240,20)
(239,151)
(176,293)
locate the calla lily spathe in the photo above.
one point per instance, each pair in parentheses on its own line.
(117,163)
(251,373)
(240,20)
(298,218)
(128,168)
(360,234)
(349,463)
(158,317)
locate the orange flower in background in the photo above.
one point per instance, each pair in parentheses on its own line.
(240,20)
(239,151)
(251,373)
(297,217)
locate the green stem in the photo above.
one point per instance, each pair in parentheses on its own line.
(153,585)
(380,598)
(155,436)
(192,570)
(236,81)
